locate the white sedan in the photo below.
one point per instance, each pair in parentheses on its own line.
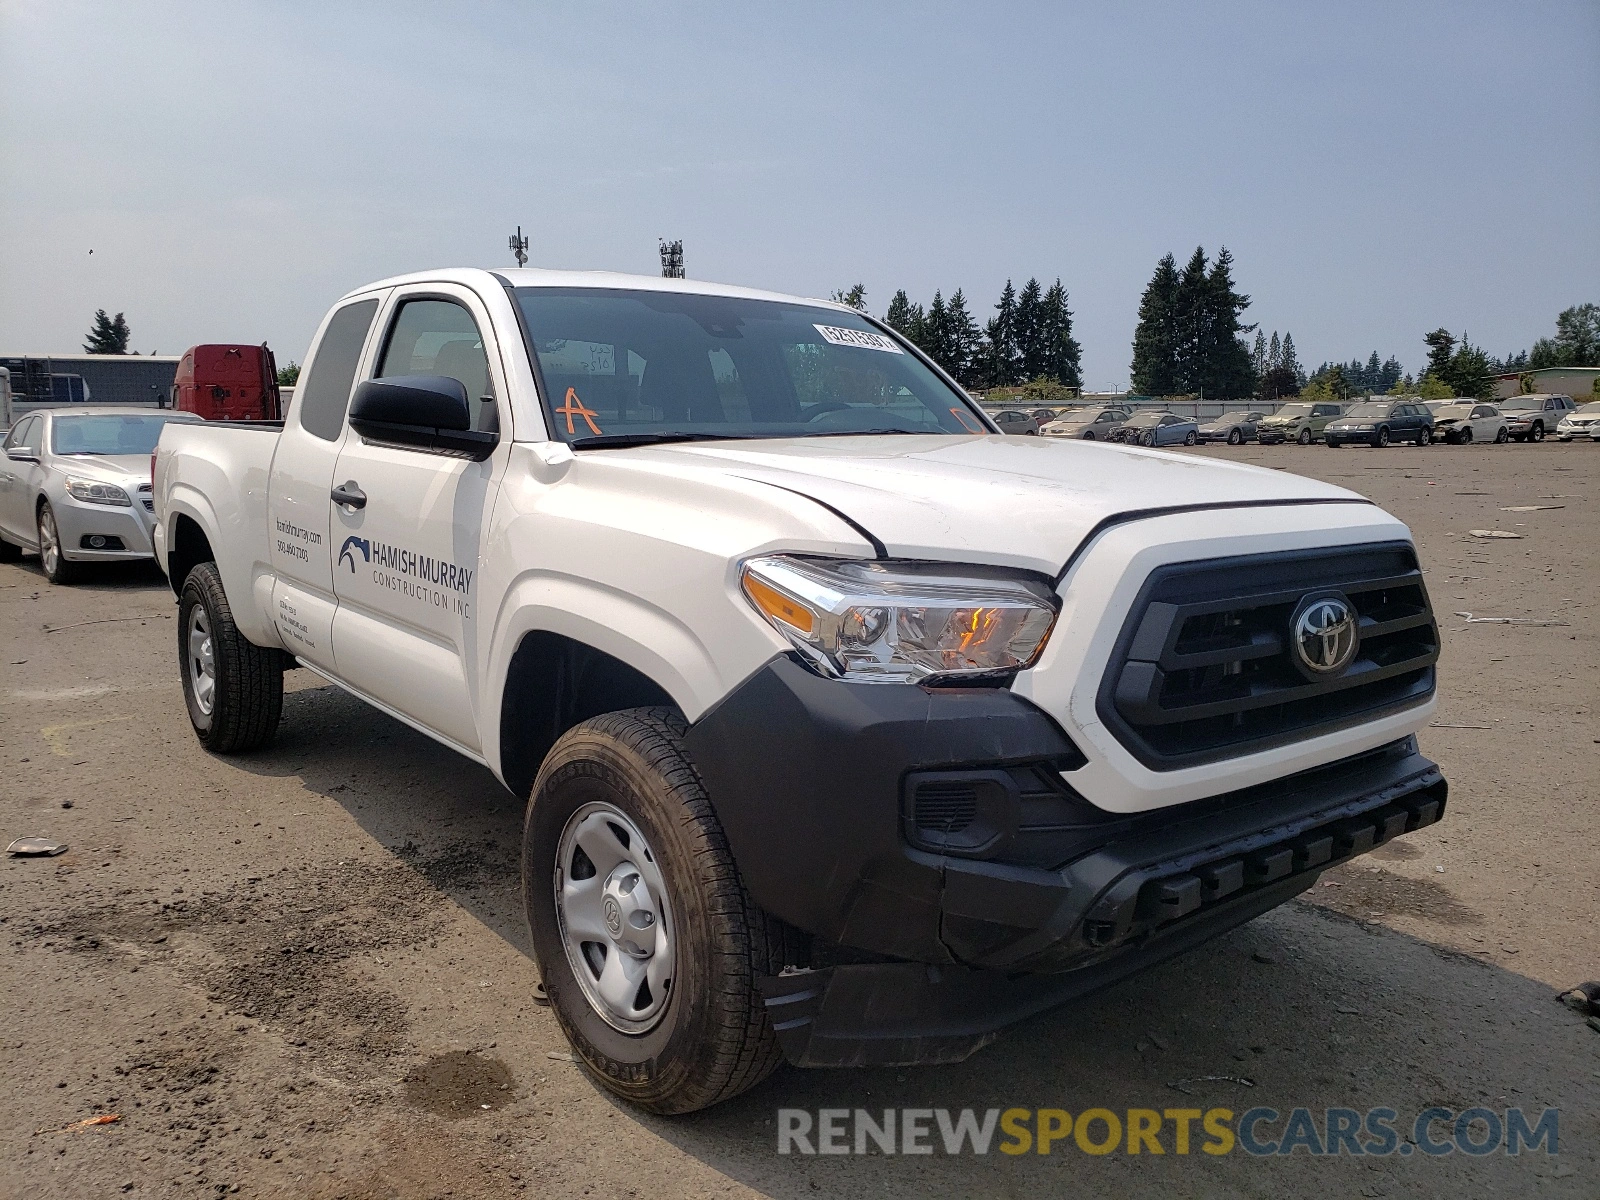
(1583,423)
(1462,424)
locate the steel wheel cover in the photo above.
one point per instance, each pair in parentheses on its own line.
(614,919)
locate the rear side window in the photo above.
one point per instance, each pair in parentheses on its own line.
(26,436)
(324,393)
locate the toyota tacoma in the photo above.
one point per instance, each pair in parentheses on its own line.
(850,731)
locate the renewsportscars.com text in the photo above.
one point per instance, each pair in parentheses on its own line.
(1257,1131)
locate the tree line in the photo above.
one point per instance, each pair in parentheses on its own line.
(1028,339)
(1188,340)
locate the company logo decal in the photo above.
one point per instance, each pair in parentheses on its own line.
(355,543)
(1325,634)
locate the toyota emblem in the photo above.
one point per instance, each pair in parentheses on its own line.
(1325,634)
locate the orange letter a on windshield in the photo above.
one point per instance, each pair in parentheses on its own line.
(573,407)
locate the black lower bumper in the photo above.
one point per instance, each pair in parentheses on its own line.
(925,944)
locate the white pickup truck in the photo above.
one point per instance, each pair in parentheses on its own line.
(851,730)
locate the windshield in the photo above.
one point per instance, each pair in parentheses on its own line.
(1291,411)
(1454,410)
(132,434)
(1369,410)
(1145,418)
(1233,418)
(1520,405)
(623,366)
(1590,410)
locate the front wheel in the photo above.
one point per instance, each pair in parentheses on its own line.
(1148,439)
(1466,435)
(1502,436)
(56,567)
(232,688)
(1538,432)
(1088,435)
(649,945)
(1305,437)
(1332,443)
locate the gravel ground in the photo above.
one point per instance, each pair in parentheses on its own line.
(304,972)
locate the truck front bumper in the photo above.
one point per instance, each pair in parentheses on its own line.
(953,882)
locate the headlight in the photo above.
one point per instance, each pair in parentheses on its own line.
(91,492)
(872,621)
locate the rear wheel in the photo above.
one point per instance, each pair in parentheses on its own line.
(1424,436)
(56,567)
(1305,437)
(1501,437)
(648,943)
(1088,435)
(1331,443)
(232,688)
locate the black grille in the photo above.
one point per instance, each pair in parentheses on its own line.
(946,807)
(1203,670)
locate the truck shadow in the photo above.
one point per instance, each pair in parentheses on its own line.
(1305,1007)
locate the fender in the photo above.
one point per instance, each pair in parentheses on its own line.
(249,612)
(645,636)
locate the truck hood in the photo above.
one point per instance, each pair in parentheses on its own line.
(1008,501)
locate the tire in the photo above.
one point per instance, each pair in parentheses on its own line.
(1381,438)
(1088,435)
(8,552)
(1537,433)
(1466,435)
(709,1038)
(1235,438)
(1191,438)
(54,563)
(1149,439)
(1501,437)
(1330,443)
(240,708)
(1305,437)
(1424,437)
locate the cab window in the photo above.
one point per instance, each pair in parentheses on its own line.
(324,392)
(439,337)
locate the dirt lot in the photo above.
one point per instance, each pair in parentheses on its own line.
(304,972)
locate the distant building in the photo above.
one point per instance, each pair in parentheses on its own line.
(1557,381)
(142,380)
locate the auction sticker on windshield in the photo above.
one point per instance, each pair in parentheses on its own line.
(857,337)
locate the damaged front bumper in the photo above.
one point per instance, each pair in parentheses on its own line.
(953,882)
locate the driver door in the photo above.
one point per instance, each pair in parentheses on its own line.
(408,624)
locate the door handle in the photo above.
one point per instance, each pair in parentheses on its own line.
(349,493)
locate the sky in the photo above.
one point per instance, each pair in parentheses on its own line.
(1377,169)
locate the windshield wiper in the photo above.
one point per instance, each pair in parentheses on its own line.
(604,441)
(864,432)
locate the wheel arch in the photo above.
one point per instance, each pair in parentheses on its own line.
(553,682)
(188,548)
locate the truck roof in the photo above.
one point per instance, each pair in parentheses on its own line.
(540,277)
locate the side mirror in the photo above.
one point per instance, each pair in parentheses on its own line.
(21,454)
(424,412)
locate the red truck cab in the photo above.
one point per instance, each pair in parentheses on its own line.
(227,383)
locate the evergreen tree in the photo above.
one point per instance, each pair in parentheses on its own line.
(935,340)
(1030,330)
(1468,373)
(855,296)
(1441,347)
(1291,363)
(961,340)
(108,335)
(1004,366)
(1274,352)
(1578,336)
(1192,316)
(1372,376)
(1062,353)
(905,317)
(1155,339)
(1227,373)
(1258,354)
